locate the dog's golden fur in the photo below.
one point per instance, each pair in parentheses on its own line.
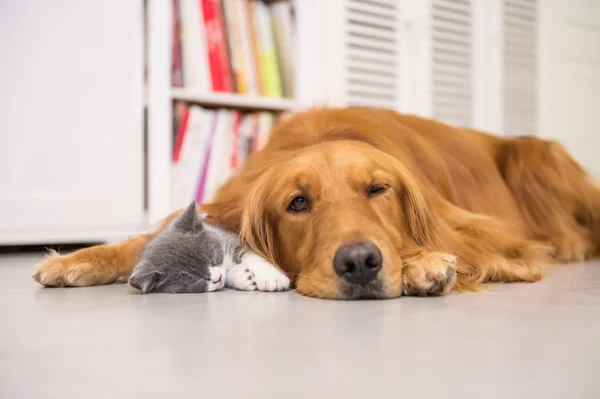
(501,206)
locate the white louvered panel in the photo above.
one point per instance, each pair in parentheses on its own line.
(452,61)
(372,53)
(520,67)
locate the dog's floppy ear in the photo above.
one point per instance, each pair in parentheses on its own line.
(421,224)
(256,229)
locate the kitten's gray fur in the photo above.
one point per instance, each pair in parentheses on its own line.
(179,259)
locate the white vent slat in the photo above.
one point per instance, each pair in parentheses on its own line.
(452,59)
(371,56)
(357,6)
(451,28)
(440,37)
(383,46)
(375,91)
(450,80)
(380,4)
(359,30)
(510,22)
(520,66)
(359,66)
(452,17)
(451,49)
(454,6)
(373,102)
(378,79)
(452,53)
(447,69)
(371,21)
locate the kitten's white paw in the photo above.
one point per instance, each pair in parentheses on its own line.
(256,273)
(241,278)
(217,279)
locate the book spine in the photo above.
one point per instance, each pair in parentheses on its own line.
(281,21)
(247,49)
(177,62)
(182,126)
(232,20)
(210,139)
(268,57)
(217,46)
(235,138)
(252,21)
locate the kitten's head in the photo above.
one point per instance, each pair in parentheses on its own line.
(184,257)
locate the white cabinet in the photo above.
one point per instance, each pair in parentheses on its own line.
(71,120)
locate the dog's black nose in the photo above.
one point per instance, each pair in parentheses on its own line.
(358,263)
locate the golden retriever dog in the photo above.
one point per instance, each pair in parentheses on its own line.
(360,202)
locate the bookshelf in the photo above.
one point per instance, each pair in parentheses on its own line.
(233,100)
(160,95)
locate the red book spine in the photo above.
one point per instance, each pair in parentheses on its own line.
(180,134)
(218,57)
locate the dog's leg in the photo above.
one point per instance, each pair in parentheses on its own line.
(559,202)
(101,264)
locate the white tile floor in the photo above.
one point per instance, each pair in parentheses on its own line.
(513,341)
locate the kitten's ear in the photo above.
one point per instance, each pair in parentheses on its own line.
(147,282)
(189,220)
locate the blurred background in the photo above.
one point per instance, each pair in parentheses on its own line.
(113,113)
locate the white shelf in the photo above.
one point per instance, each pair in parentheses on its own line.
(233,100)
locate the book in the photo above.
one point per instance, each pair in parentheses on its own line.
(234,143)
(241,46)
(217,159)
(281,21)
(181,114)
(210,146)
(176,56)
(234,35)
(267,57)
(187,170)
(216,42)
(206,156)
(266,121)
(247,47)
(193,44)
(254,45)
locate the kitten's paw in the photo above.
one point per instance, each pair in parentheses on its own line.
(266,276)
(241,278)
(217,279)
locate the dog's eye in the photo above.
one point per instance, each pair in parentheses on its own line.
(376,189)
(299,204)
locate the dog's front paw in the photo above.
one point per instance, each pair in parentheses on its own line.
(429,274)
(256,273)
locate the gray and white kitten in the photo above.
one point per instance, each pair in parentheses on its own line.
(191,256)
